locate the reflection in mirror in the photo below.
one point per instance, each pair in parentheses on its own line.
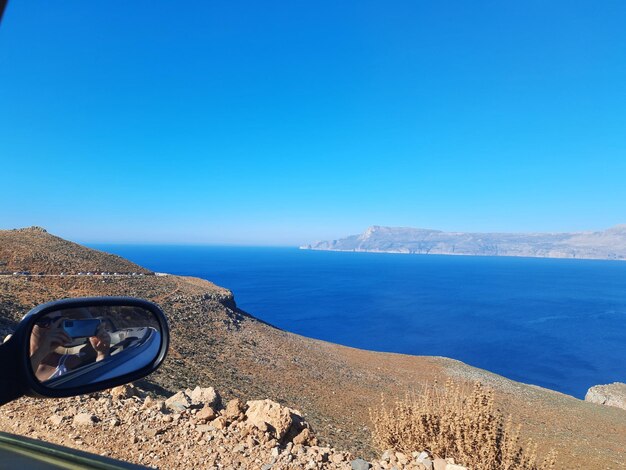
(87,345)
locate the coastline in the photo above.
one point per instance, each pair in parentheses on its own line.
(396,252)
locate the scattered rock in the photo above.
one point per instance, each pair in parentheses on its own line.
(424,460)
(305,437)
(452,466)
(360,464)
(55,420)
(402,458)
(205,396)
(125,391)
(439,464)
(206,414)
(204,428)
(148,403)
(85,419)
(219,423)
(152,432)
(234,409)
(178,402)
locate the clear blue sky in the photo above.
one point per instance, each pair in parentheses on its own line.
(288,122)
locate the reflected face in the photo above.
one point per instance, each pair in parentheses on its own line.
(73,347)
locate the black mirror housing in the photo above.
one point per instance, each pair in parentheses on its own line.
(19,377)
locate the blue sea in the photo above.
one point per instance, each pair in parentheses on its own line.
(560,324)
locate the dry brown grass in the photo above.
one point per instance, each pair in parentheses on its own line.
(458,422)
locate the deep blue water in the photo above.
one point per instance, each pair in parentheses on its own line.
(560,324)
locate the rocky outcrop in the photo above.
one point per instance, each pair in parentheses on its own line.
(610,395)
(607,244)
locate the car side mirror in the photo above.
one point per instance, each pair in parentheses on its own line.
(75,346)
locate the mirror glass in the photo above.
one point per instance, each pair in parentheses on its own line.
(78,346)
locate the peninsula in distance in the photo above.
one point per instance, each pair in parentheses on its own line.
(606,244)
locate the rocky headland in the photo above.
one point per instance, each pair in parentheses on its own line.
(215,344)
(606,244)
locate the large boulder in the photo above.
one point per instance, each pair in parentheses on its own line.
(610,395)
(205,396)
(269,416)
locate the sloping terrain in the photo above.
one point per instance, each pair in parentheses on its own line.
(35,251)
(216,344)
(606,244)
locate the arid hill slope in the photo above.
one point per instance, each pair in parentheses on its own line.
(216,344)
(35,251)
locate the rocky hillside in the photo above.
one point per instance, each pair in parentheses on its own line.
(214,343)
(607,244)
(191,429)
(35,251)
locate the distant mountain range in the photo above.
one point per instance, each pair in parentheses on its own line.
(606,244)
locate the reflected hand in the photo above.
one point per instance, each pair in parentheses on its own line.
(101,343)
(44,340)
(48,339)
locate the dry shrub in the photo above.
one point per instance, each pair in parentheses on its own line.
(456,422)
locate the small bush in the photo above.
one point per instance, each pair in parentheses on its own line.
(456,422)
